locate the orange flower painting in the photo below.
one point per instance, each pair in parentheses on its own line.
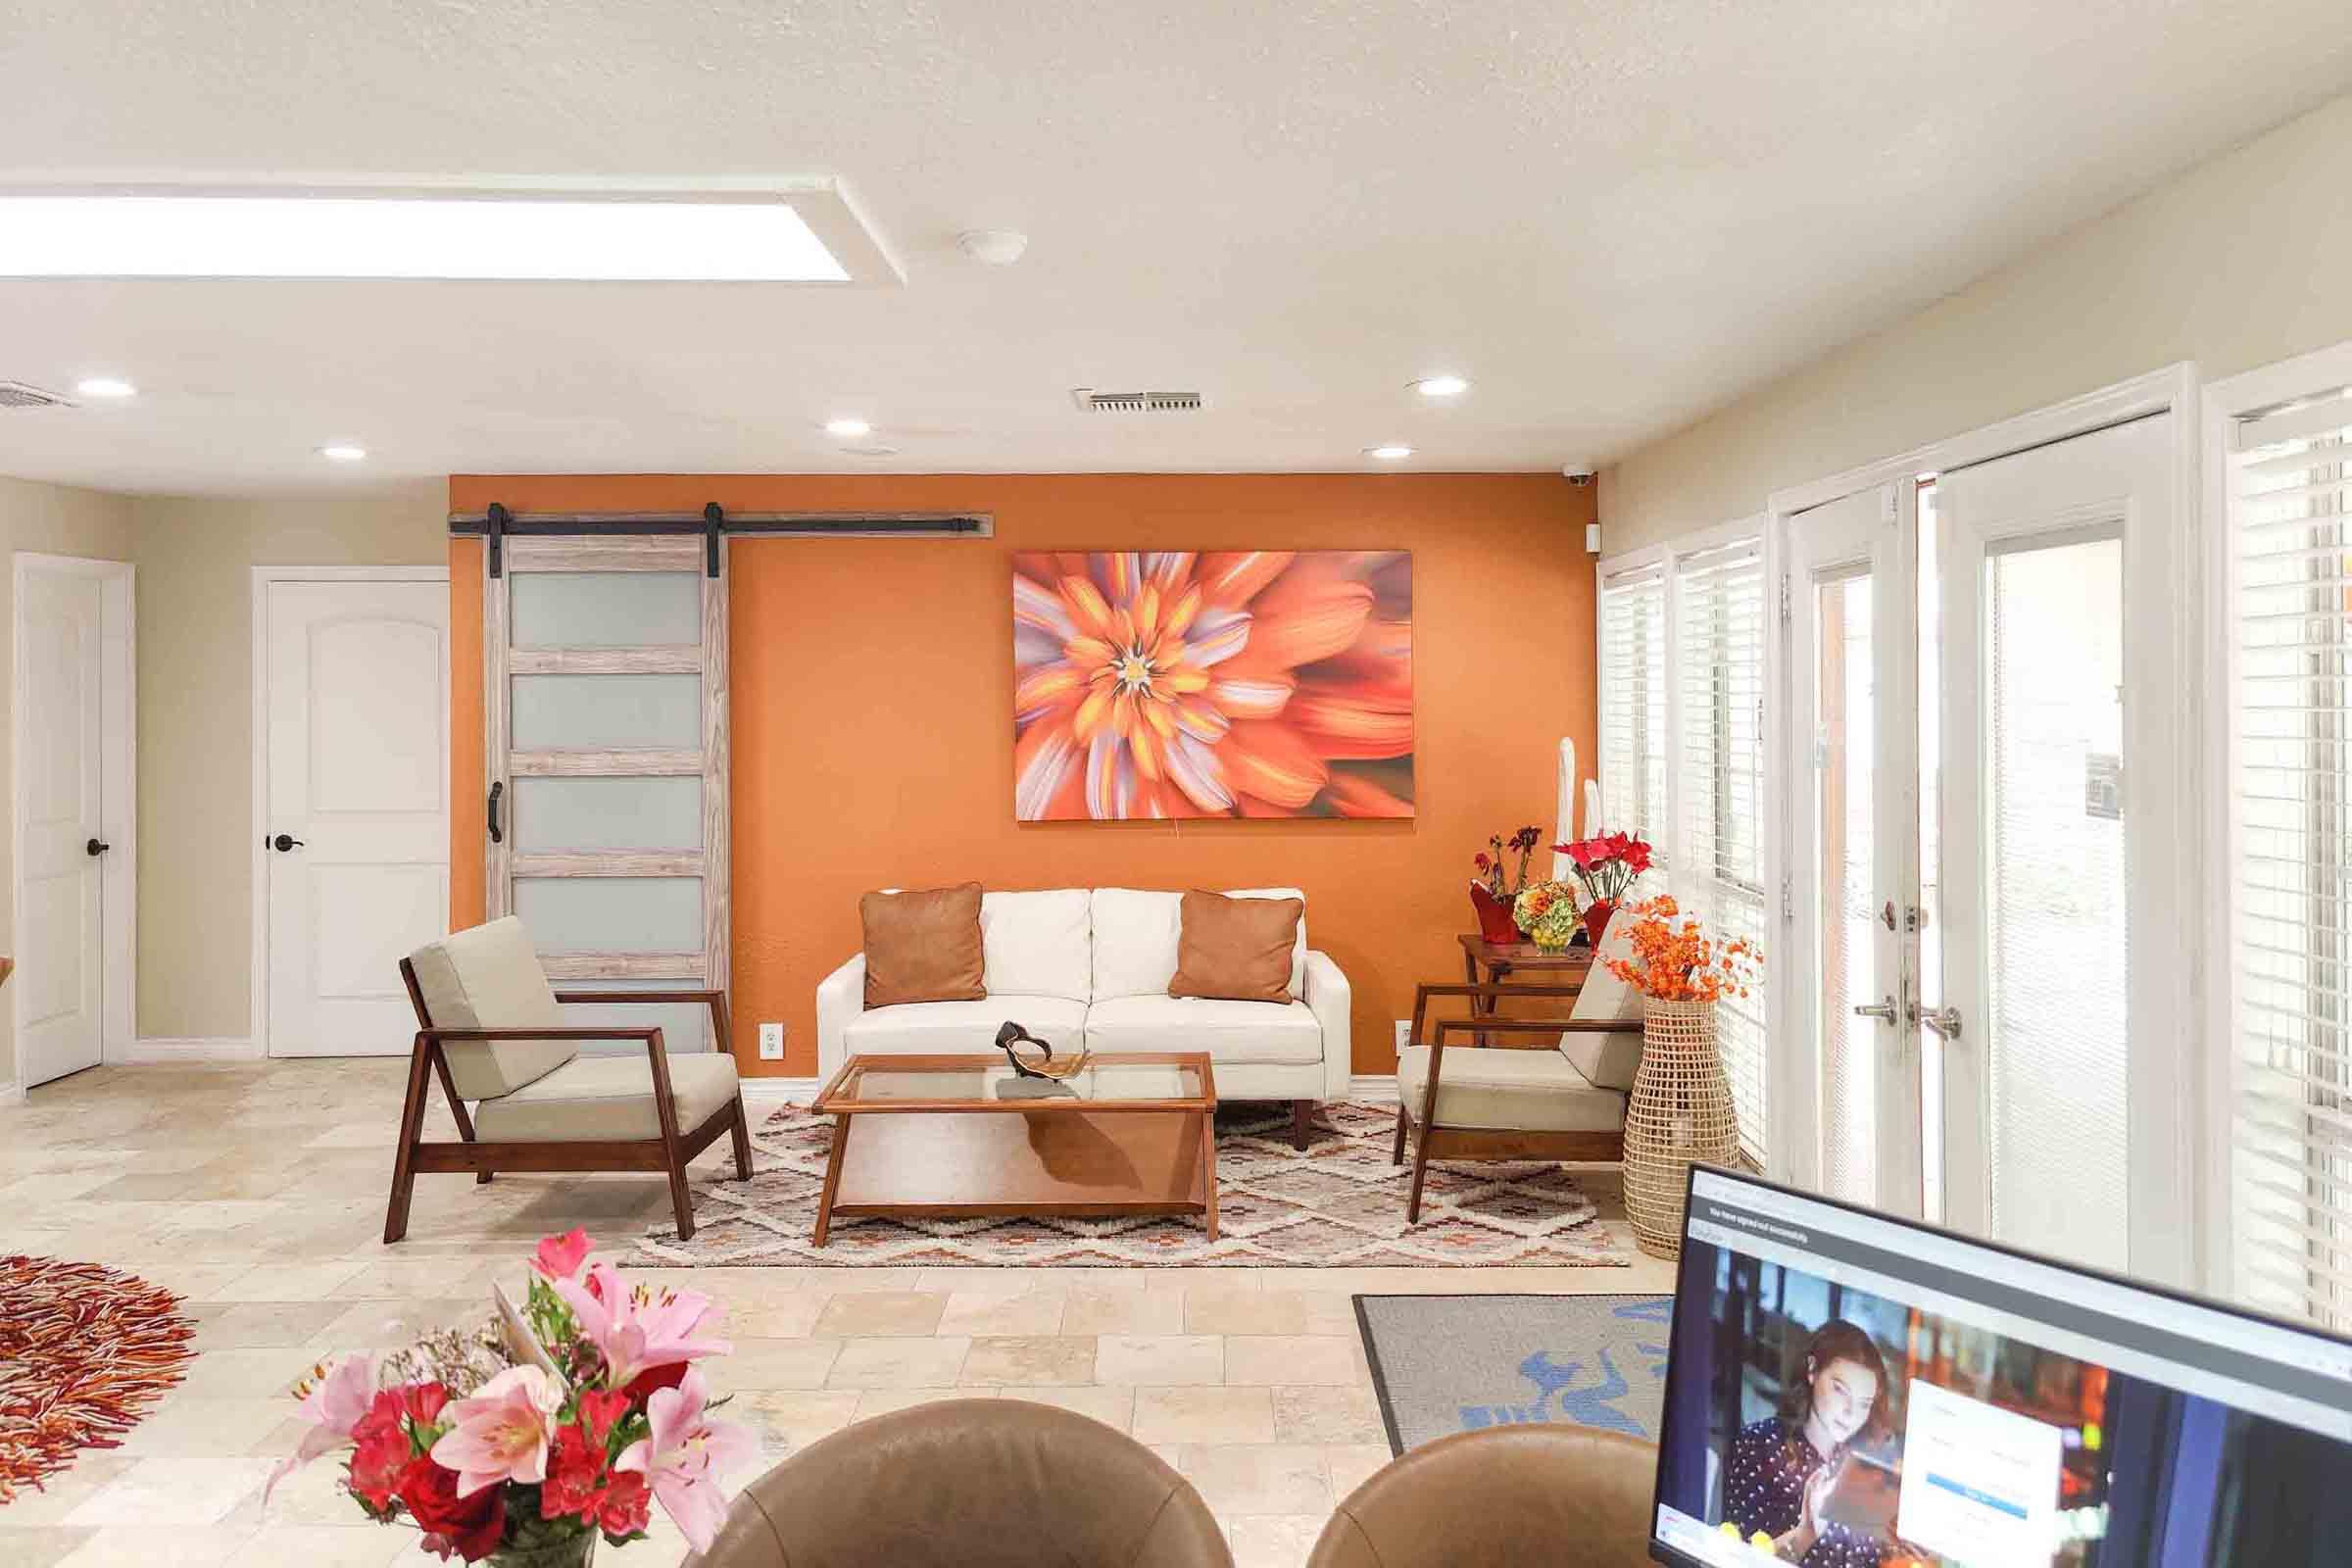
(1161,684)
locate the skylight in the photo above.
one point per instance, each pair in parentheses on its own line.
(685,238)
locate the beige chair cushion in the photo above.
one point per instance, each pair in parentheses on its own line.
(1607,1059)
(596,1098)
(1517,1091)
(489,977)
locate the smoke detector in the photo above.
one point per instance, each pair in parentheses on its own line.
(1090,400)
(996,247)
(18,395)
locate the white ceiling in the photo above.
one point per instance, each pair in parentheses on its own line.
(1613,216)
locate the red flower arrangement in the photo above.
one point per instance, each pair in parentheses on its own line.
(539,1430)
(1606,865)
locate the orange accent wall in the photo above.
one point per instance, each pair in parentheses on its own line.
(874,726)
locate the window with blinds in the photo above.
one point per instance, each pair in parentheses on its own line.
(1633,702)
(2291,1128)
(1718,657)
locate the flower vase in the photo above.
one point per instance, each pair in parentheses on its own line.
(1494,922)
(1596,920)
(1680,1114)
(567,1552)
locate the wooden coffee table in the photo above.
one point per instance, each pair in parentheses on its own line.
(950,1135)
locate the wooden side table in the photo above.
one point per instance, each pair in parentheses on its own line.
(1502,959)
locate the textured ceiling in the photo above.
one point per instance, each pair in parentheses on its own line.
(1613,216)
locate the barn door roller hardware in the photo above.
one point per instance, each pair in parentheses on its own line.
(496,524)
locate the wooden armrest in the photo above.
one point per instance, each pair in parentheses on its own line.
(1490,993)
(613,1032)
(716,999)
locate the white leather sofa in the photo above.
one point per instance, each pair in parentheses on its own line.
(1091,967)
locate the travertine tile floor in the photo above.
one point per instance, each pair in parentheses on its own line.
(258,1192)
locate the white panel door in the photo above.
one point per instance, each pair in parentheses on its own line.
(59,780)
(356,844)
(1854,852)
(2066,833)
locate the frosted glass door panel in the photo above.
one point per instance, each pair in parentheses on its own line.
(598,712)
(1844,803)
(606,609)
(607,813)
(612,913)
(684,1025)
(2055,806)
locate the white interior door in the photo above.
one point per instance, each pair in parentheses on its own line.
(2066,840)
(60,772)
(1853,853)
(356,817)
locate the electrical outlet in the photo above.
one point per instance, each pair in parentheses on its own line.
(771,1042)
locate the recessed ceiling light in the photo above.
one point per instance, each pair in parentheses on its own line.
(342,452)
(848,429)
(1392,453)
(1440,386)
(726,237)
(105,386)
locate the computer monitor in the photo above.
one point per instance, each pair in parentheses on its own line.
(1845,1389)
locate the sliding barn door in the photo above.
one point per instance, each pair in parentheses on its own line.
(607,715)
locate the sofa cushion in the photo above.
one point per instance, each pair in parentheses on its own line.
(488,977)
(1238,949)
(594,1099)
(922,945)
(1037,943)
(1607,1059)
(1228,1031)
(1535,1090)
(1136,937)
(957,1028)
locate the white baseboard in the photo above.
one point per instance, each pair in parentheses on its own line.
(1378,1087)
(778,1091)
(151,1049)
(9,1094)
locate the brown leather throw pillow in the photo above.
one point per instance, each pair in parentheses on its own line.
(1238,949)
(922,945)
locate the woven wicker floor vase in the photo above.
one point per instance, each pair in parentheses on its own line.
(1681,1113)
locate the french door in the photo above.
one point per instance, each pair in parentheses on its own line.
(1991,874)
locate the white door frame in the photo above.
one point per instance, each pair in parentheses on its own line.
(2184,984)
(118,794)
(259,612)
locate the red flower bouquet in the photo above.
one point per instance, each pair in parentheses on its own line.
(1607,867)
(526,1438)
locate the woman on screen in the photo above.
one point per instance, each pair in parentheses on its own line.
(1786,1470)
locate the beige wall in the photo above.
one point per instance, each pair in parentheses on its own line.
(2241,260)
(195,632)
(52,520)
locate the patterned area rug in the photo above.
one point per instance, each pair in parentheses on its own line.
(84,1351)
(1456,1363)
(1337,1203)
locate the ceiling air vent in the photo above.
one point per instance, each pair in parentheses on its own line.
(17,395)
(1092,402)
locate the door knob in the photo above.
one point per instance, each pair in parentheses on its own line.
(284,842)
(96,847)
(1883,1011)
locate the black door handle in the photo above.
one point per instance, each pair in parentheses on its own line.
(498,787)
(96,847)
(284,842)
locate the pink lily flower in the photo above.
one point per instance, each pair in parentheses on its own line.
(502,1433)
(333,1406)
(560,1258)
(684,1458)
(636,1335)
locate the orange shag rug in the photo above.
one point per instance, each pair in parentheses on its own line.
(85,1352)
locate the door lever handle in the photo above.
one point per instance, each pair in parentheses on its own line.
(1883,1011)
(96,847)
(285,842)
(1946,1021)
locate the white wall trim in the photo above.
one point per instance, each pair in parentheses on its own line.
(1380,1088)
(118,796)
(778,1091)
(156,1049)
(258,614)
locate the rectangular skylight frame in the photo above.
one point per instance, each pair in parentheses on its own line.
(792,231)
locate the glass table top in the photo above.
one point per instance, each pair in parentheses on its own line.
(980,1083)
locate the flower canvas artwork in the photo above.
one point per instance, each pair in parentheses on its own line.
(1150,685)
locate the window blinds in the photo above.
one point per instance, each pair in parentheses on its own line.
(2291,1128)
(1633,704)
(1718,656)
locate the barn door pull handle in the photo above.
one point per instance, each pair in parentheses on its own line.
(498,835)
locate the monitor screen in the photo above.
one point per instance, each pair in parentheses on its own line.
(1850,1389)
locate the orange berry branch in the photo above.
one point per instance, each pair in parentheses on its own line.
(1679,961)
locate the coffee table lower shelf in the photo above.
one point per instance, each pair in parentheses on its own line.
(984,1163)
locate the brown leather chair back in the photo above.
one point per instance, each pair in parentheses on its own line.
(971,1484)
(1560,1494)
